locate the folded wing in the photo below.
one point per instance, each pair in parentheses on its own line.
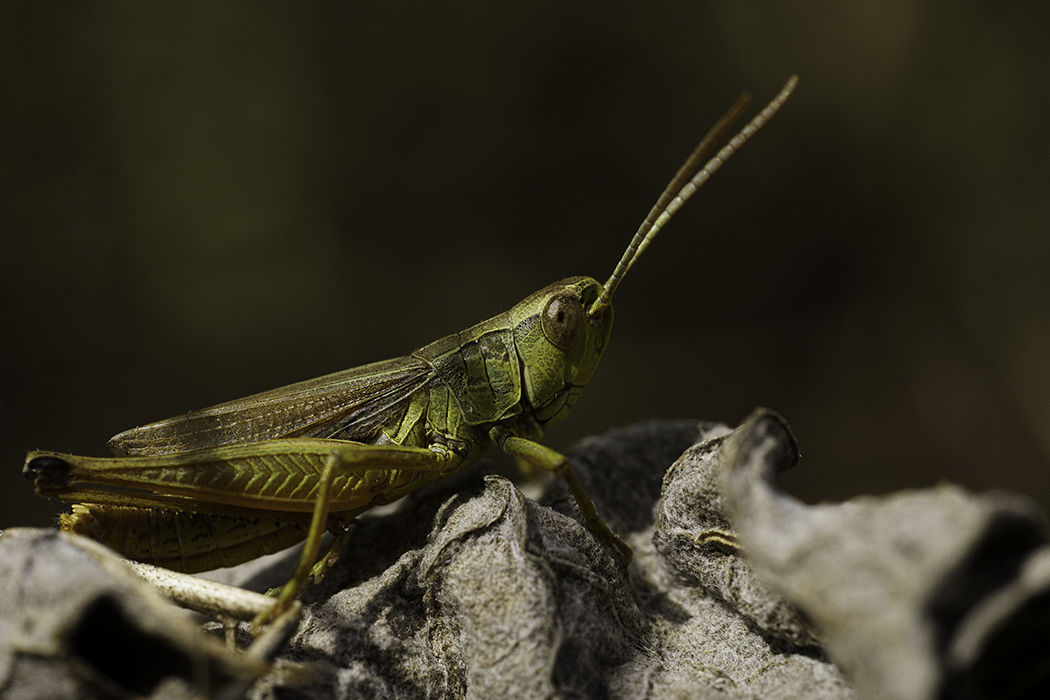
(348,405)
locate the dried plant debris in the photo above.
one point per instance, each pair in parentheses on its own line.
(695,536)
(480,592)
(469,589)
(920,594)
(76,622)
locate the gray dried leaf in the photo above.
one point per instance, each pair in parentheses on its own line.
(76,622)
(471,590)
(918,594)
(508,597)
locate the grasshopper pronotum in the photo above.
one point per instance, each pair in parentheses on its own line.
(226,484)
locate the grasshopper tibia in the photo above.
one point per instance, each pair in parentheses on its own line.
(557,463)
(346,461)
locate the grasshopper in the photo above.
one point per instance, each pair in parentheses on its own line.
(226,484)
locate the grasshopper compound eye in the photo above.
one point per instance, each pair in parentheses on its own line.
(561,320)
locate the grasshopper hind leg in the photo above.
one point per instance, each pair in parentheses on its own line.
(304,570)
(352,459)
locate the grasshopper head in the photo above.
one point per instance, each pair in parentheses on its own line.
(561,331)
(559,344)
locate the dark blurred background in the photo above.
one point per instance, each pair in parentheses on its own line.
(202,200)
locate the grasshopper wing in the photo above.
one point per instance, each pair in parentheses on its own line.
(348,405)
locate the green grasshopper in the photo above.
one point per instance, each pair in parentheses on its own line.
(226,484)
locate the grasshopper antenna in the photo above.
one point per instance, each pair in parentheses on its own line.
(678,190)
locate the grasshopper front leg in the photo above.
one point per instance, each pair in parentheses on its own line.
(558,464)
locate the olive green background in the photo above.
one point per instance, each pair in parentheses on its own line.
(201,200)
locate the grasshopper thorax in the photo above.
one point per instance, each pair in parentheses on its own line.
(559,344)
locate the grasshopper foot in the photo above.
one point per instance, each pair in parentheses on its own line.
(720,539)
(626,553)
